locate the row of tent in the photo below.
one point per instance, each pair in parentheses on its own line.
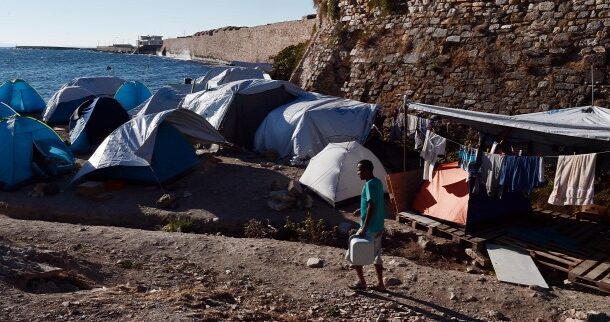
(147,138)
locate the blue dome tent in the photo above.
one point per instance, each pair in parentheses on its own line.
(91,123)
(21,97)
(6,111)
(63,103)
(151,149)
(132,94)
(30,149)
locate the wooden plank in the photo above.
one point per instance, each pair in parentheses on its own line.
(598,271)
(419,218)
(514,266)
(583,267)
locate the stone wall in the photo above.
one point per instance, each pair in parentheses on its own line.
(254,44)
(501,56)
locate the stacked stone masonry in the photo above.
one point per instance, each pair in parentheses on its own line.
(500,56)
(255,44)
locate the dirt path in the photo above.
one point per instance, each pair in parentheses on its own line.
(150,275)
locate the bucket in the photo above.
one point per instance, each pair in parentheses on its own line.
(361,250)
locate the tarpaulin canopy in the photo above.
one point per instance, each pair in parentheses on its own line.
(585,127)
(98,86)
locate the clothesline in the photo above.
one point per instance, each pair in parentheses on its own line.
(542,156)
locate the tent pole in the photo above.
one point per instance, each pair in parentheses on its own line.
(404,134)
(592,87)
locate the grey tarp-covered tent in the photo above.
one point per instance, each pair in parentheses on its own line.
(150,148)
(237,109)
(586,128)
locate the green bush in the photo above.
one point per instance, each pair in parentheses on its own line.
(286,61)
(333,9)
(179,225)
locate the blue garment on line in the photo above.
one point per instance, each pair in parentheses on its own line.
(520,173)
(466,156)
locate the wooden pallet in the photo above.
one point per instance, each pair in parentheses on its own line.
(438,229)
(592,273)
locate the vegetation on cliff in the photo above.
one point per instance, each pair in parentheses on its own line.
(286,61)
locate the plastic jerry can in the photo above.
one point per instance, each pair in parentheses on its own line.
(361,251)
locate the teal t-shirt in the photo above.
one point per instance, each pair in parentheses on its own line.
(373,192)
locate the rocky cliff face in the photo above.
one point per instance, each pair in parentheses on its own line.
(502,56)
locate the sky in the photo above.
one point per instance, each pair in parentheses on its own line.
(88,23)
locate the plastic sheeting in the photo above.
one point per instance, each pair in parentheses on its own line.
(583,127)
(131,94)
(132,144)
(332,174)
(21,97)
(221,75)
(305,127)
(165,99)
(63,103)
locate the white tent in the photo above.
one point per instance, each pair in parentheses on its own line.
(64,102)
(98,86)
(133,144)
(237,109)
(332,173)
(305,127)
(166,98)
(583,127)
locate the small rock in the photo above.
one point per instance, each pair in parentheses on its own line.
(495,315)
(471,299)
(453,297)
(392,281)
(167,201)
(392,305)
(315,262)
(381,318)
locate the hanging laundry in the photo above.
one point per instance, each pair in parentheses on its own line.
(466,156)
(490,173)
(574,180)
(520,173)
(398,127)
(421,127)
(434,146)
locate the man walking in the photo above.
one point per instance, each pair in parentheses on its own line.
(372,215)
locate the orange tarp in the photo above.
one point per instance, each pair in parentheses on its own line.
(446,195)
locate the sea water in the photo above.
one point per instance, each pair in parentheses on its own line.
(48,70)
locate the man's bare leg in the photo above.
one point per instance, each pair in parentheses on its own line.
(379,269)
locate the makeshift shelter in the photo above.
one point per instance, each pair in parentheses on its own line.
(151,148)
(91,123)
(586,128)
(6,111)
(237,109)
(447,197)
(221,75)
(21,97)
(63,103)
(131,94)
(332,173)
(164,99)
(98,86)
(30,149)
(303,128)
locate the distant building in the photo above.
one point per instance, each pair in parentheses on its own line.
(150,41)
